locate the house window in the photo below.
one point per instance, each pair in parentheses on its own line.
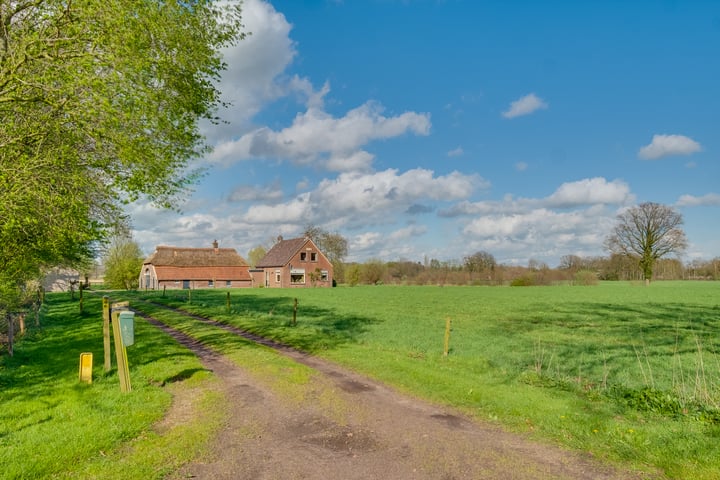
(297,276)
(303,256)
(277,276)
(211,283)
(324,275)
(228,283)
(313,257)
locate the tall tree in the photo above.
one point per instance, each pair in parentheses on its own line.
(648,231)
(333,245)
(256,254)
(100,104)
(479,262)
(123,263)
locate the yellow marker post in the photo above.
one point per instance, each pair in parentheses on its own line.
(86,363)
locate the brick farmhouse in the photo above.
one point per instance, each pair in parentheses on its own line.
(293,263)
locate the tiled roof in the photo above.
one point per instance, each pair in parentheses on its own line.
(282,252)
(195,257)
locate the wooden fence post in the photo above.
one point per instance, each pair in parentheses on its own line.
(294,321)
(446,350)
(106,332)
(227,302)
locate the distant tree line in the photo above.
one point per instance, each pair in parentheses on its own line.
(572,269)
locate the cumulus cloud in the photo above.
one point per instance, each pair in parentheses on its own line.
(254,67)
(711,199)
(542,231)
(316,137)
(667,145)
(581,193)
(367,198)
(590,191)
(525,106)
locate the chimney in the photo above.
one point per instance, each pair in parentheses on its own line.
(215,246)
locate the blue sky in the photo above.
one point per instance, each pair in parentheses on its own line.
(435,129)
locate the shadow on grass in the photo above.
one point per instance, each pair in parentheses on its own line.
(316,328)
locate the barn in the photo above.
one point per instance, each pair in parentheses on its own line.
(191,268)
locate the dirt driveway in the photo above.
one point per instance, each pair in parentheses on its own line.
(370,432)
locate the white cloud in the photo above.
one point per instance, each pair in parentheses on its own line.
(581,193)
(666,145)
(590,191)
(525,106)
(355,199)
(456,152)
(254,66)
(521,166)
(316,137)
(411,231)
(711,199)
(541,232)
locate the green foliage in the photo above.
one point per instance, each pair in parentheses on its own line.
(524,281)
(586,278)
(99,105)
(123,263)
(255,255)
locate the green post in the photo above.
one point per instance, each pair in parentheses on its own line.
(121,354)
(227,302)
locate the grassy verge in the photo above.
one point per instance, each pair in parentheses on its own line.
(53,426)
(628,373)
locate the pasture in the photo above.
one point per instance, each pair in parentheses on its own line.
(627,372)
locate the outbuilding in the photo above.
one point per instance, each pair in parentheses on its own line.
(191,268)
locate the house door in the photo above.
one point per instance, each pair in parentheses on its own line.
(186,284)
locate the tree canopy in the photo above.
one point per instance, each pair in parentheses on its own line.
(100,103)
(123,262)
(648,231)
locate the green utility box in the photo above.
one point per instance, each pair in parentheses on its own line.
(127,327)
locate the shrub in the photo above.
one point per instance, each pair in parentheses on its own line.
(524,281)
(586,277)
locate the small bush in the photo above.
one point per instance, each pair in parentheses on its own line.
(586,277)
(524,281)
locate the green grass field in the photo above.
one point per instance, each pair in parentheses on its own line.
(626,372)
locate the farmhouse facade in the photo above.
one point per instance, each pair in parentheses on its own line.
(190,268)
(293,263)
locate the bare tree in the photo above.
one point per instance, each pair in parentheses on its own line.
(648,231)
(479,262)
